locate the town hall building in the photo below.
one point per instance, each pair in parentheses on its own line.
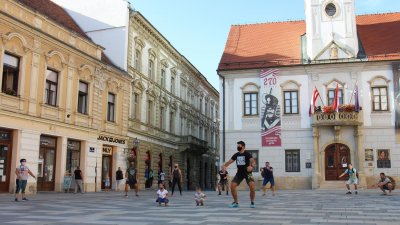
(347,65)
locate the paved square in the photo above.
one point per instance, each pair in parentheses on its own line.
(288,207)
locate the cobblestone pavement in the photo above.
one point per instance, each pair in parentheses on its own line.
(287,207)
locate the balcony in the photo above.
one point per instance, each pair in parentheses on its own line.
(337,119)
(192,144)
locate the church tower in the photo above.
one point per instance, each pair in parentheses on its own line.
(331,29)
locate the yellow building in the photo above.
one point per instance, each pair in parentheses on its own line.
(62,103)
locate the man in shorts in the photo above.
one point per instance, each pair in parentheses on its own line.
(22,172)
(385,184)
(245,164)
(268,174)
(132,178)
(352,178)
(223,181)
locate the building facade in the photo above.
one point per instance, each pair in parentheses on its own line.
(62,103)
(269,73)
(173,109)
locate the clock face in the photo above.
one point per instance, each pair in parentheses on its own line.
(330,9)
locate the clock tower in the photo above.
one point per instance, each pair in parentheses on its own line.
(331,29)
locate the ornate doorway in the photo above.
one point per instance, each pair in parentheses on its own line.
(337,156)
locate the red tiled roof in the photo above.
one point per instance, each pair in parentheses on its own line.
(279,44)
(55,13)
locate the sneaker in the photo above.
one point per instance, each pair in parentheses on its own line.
(137,195)
(234,205)
(219,193)
(227,193)
(355,192)
(25,199)
(202,204)
(197,204)
(16,199)
(126,196)
(348,193)
(252,205)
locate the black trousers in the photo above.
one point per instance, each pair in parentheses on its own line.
(176,181)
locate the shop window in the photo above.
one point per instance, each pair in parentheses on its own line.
(73,155)
(10,74)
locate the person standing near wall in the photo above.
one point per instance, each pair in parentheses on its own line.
(119,177)
(22,172)
(78,179)
(176,179)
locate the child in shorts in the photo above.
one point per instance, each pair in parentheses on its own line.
(199,197)
(162,195)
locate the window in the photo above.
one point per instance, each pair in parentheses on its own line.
(206,109)
(292,160)
(201,105)
(212,112)
(162,78)
(10,74)
(151,69)
(138,60)
(162,114)
(172,122)
(73,155)
(172,85)
(135,110)
(111,107)
(379,99)
(250,104)
(51,87)
(291,102)
(331,96)
(82,97)
(201,133)
(149,111)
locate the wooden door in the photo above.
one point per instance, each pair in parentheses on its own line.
(337,156)
(5,166)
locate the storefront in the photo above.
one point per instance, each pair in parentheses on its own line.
(5,159)
(46,163)
(107,161)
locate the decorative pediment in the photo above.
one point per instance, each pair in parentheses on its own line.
(55,60)
(379,81)
(138,85)
(85,72)
(164,63)
(113,85)
(173,105)
(152,54)
(174,71)
(291,85)
(332,83)
(15,43)
(139,43)
(250,87)
(333,49)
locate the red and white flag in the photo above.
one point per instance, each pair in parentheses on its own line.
(336,100)
(314,98)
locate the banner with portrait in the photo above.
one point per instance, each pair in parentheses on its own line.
(270,109)
(396,87)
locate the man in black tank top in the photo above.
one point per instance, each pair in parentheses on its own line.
(245,164)
(176,179)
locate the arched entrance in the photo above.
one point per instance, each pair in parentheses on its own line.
(337,156)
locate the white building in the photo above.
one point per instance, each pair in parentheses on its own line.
(332,48)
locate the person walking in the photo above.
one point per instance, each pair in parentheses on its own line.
(245,164)
(161,177)
(22,172)
(132,178)
(268,174)
(78,180)
(119,177)
(223,181)
(352,172)
(176,179)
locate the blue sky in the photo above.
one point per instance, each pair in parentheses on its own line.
(199,29)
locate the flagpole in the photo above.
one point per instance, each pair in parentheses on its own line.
(352,94)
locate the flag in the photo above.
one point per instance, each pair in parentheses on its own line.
(313,101)
(336,100)
(357,104)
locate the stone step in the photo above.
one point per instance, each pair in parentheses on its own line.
(330,185)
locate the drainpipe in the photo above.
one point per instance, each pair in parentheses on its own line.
(223,116)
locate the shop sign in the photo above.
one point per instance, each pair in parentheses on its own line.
(92,149)
(107,150)
(111,139)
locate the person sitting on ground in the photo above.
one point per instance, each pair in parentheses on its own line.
(199,197)
(385,184)
(162,195)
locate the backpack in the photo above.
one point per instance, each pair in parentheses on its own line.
(393,181)
(352,169)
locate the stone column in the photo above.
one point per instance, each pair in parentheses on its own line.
(317,173)
(362,180)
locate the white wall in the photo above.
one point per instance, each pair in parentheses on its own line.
(106,24)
